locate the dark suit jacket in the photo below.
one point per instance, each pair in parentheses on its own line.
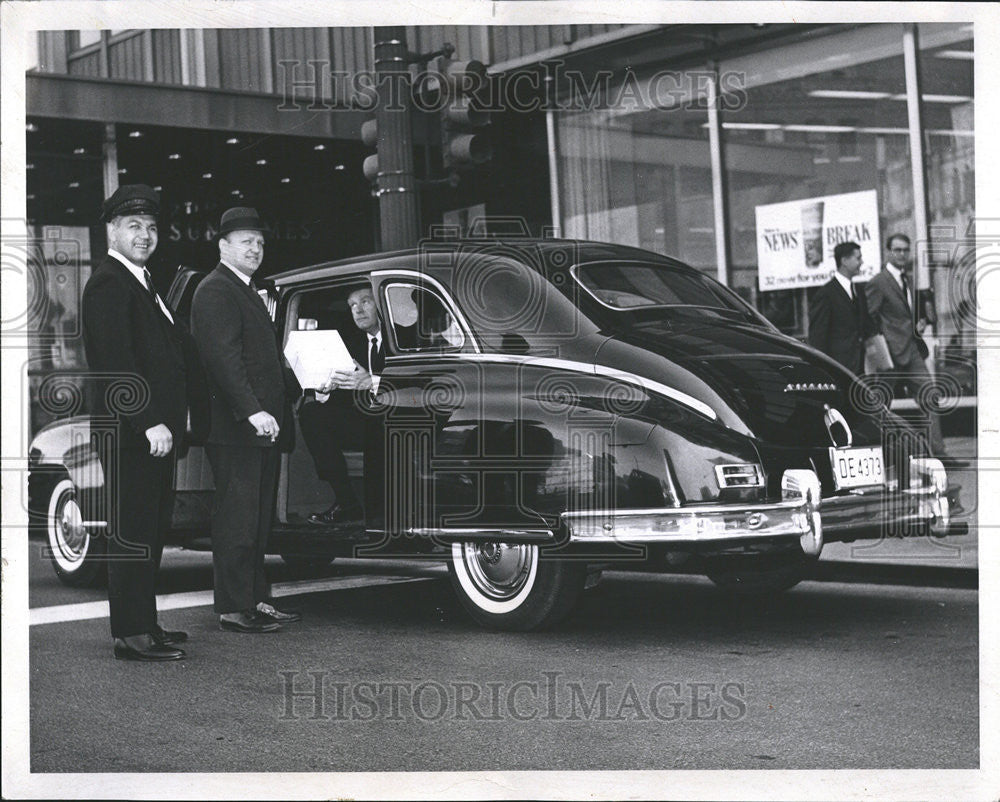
(892,316)
(246,370)
(126,334)
(838,326)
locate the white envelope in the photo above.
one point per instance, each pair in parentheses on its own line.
(314,355)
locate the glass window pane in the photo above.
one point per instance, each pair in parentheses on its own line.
(822,118)
(86,38)
(636,170)
(946,74)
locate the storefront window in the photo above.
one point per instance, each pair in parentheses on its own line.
(822,119)
(640,174)
(946,64)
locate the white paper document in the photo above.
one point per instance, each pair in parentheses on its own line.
(314,355)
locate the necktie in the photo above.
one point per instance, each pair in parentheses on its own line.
(375,358)
(906,291)
(149,286)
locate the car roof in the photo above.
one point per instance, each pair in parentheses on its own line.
(585,252)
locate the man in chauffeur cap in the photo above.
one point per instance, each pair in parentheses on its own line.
(131,337)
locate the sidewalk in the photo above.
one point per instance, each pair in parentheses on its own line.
(950,552)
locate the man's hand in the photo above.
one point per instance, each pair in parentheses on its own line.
(265,424)
(357,379)
(160,440)
(921,325)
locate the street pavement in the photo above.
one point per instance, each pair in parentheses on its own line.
(650,672)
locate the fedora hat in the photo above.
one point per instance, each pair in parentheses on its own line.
(241,218)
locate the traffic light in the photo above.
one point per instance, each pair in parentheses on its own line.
(369,135)
(464,140)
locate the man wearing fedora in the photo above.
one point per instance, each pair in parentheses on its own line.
(251,420)
(133,341)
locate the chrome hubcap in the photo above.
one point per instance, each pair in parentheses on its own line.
(71,536)
(499,570)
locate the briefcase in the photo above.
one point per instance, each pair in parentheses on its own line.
(877,358)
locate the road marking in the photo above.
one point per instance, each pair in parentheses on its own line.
(203,598)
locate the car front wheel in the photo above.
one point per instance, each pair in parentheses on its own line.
(512,586)
(76,556)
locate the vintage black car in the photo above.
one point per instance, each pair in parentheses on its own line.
(574,405)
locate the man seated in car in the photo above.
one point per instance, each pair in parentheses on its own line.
(334,422)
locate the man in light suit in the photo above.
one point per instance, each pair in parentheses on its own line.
(891,298)
(251,420)
(130,335)
(838,317)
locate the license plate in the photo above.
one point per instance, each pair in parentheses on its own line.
(857,467)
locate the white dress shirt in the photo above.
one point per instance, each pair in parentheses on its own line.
(140,275)
(846,283)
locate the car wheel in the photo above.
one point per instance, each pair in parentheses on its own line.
(508,586)
(76,555)
(758,574)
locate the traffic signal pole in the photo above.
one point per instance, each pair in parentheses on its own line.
(395,184)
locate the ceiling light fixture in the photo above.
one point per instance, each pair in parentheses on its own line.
(232,141)
(846,94)
(174,156)
(821,129)
(122,170)
(135,134)
(286,180)
(31,128)
(958,55)
(339,167)
(206,175)
(74,184)
(79,151)
(261,161)
(158,188)
(319,147)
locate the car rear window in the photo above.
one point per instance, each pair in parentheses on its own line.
(634,286)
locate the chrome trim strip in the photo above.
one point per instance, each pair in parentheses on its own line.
(483,534)
(594,370)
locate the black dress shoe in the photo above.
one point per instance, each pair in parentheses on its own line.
(248,621)
(337,515)
(281,616)
(167,637)
(145,648)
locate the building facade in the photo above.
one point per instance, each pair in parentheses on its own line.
(696,141)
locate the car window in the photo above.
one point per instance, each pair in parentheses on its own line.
(420,319)
(634,286)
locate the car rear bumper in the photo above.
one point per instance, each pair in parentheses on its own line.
(857,515)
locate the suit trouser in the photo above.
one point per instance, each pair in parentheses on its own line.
(328,429)
(140,502)
(246,483)
(915,374)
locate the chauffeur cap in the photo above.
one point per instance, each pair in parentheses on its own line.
(241,218)
(131,199)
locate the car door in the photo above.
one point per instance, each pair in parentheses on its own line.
(455,450)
